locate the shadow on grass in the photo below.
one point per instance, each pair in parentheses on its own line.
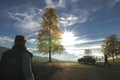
(96,64)
(43,71)
(113,66)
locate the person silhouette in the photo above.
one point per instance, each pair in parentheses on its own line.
(106,60)
(16,63)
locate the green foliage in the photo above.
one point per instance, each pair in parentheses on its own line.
(116,60)
(111,46)
(56,47)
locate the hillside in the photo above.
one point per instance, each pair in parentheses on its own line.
(42,59)
(35,58)
(2,49)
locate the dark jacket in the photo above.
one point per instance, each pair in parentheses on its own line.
(11,63)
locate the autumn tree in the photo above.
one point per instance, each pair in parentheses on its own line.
(110,45)
(88,52)
(50,35)
(117,49)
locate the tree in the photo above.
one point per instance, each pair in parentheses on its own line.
(88,52)
(118,49)
(110,45)
(50,35)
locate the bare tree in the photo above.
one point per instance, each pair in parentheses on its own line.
(88,52)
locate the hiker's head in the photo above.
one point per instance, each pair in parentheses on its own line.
(19,40)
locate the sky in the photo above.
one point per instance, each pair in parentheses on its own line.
(88,22)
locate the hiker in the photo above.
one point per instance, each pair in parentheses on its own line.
(16,63)
(106,60)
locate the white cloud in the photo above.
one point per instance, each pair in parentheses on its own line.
(49,3)
(79,50)
(28,21)
(60,3)
(89,46)
(84,40)
(5,39)
(68,20)
(32,41)
(72,17)
(32,49)
(96,49)
(32,35)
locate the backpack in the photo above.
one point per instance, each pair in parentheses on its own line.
(11,65)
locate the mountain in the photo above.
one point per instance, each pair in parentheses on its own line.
(42,59)
(2,49)
(66,57)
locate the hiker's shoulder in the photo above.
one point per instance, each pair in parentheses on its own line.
(8,52)
(28,52)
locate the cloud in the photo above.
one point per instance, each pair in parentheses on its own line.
(84,40)
(32,41)
(96,48)
(49,3)
(61,3)
(29,20)
(94,45)
(68,20)
(32,35)
(33,50)
(81,12)
(5,39)
(74,0)
(111,3)
(58,4)
(89,46)
(71,18)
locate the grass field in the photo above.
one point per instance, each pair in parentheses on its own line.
(76,71)
(116,60)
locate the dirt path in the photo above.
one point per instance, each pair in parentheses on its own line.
(75,71)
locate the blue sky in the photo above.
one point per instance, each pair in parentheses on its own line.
(90,21)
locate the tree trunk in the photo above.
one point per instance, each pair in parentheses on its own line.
(50,44)
(113,57)
(50,50)
(50,55)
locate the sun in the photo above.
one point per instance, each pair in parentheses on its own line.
(68,38)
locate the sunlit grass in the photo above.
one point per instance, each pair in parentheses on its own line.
(116,60)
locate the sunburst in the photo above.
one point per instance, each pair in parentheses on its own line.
(68,39)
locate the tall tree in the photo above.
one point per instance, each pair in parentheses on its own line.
(88,52)
(118,49)
(50,35)
(110,45)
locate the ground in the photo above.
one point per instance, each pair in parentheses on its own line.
(76,71)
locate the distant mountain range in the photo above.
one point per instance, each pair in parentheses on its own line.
(42,59)
(66,57)
(2,49)
(35,58)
